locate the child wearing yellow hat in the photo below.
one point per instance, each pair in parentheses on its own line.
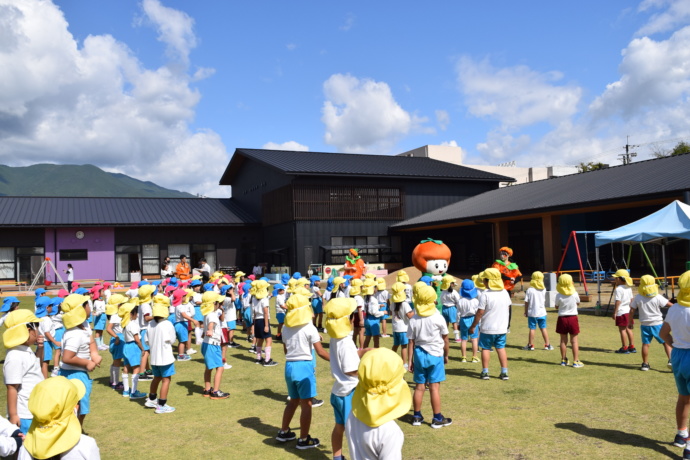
(132,350)
(344,364)
(262,326)
(161,337)
(450,299)
(428,336)
(299,337)
(621,311)
(79,353)
(676,332)
(494,313)
(317,302)
(401,312)
(535,310)
(372,320)
(144,315)
(567,301)
(381,396)
(404,278)
(648,302)
(355,292)
(213,359)
(22,368)
(55,431)
(383,297)
(117,338)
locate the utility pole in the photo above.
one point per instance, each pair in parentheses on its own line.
(628,155)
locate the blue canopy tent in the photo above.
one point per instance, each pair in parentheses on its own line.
(667,225)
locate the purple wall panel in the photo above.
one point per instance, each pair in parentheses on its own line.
(100,243)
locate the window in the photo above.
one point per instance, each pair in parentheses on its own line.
(74,254)
(150,259)
(175,251)
(6,263)
(373,249)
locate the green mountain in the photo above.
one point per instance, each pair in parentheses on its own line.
(77,180)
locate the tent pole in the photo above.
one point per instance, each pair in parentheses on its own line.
(649,262)
(663,261)
(596,252)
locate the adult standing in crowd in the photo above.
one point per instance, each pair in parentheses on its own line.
(510,274)
(183,270)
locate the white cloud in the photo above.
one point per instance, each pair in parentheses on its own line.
(62,103)
(289,145)
(349,22)
(449,144)
(175,28)
(443,119)
(291,46)
(677,12)
(361,115)
(516,96)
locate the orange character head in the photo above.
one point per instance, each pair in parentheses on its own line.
(431,256)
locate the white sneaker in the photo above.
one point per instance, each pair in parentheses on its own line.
(191,351)
(103,347)
(164,409)
(227,366)
(55,371)
(152,404)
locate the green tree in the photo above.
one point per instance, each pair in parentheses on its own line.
(591,166)
(680,149)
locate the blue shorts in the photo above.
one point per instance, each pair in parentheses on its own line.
(317,305)
(680,360)
(171,318)
(85,402)
(465,323)
(300,379)
(488,341)
(132,354)
(99,323)
(386,316)
(212,355)
(197,313)
(24,424)
(182,331)
(59,333)
(536,321)
(372,326)
(400,338)
(47,351)
(142,337)
(342,406)
(118,351)
(651,332)
(428,368)
(247,316)
(163,371)
(231,325)
(281,318)
(450,314)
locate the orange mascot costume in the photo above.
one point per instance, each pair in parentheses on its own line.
(354,265)
(432,258)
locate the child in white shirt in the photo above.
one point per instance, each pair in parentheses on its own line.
(621,311)
(317,302)
(401,312)
(279,292)
(161,337)
(133,350)
(535,310)
(372,322)
(450,299)
(210,304)
(567,301)
(649,303)
(46,329)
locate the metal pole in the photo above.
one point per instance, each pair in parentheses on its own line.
(596,255)
(649,262)
(663,261)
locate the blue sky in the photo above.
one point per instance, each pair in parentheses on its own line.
(166,90)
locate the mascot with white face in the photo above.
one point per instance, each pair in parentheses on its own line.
(432,258)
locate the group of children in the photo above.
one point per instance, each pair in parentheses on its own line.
(145,323)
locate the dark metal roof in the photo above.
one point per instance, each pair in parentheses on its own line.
(641,180)
(120,212)
(327,164)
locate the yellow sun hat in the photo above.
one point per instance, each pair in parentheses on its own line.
(189,293)
(355,287)
(145,293)
(114,302)
(623,273)
(537,281)
(338,311)
(302,281)
(684,285)
(479,281)
(565,284)
(161,306)
(446,281)
(494,277)
(369,276)
(238,276)
(403,277)
(55,428)
(398,290)
(299,311)
(302,290)
(648,286)
(208,302)
(161,299)
(73,312)
(17,333)
(368,286)
(195,277)
(380,284)
(260,288)
(292,284)
(382,394)
(425,301)
(124,312)
(337,281)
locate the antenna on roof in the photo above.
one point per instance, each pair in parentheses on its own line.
(628,155)
(508,164)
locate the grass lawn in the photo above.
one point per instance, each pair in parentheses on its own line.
(607,409)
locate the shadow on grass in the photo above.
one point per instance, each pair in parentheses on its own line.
(270,394)
(270,431)
(192,387)
(597,350)
(622,438)
(105,380)
(250,357)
